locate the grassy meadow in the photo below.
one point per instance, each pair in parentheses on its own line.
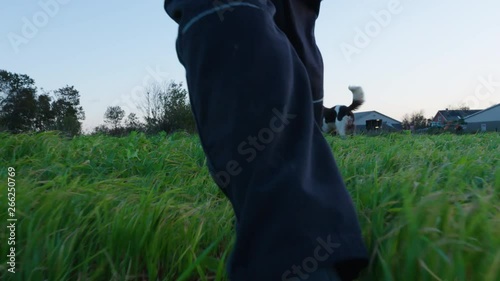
(100,208)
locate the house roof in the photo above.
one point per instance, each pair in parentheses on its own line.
(397,126)
(359,115)
(454,115)
(481,111)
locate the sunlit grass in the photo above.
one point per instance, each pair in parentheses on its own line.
(144,208)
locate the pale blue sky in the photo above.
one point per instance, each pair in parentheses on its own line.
(429,55)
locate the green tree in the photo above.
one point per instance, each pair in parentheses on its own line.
(67,110)
(166,108)
(44,119)
(17,102)
(415,119)
(101,129)
(114,116)
(132,123)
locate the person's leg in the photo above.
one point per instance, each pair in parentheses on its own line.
(251,98)
(297,19)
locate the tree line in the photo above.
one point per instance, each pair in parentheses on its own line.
(417,120)
(25,109)
(22,109)
(165,108)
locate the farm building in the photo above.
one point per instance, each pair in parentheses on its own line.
(487,120)
(447,117)
(375,121)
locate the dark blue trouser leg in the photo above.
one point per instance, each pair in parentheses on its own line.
(251,97)
(322,274)
(297,19)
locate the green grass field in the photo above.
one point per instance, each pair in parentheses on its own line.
(144,208)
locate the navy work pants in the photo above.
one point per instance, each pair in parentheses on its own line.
(255,80)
